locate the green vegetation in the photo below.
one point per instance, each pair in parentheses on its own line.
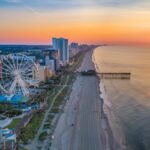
(50,117)
(47,126)
(43,136)
(13,113)
(77,61)
(5,107)
(60,98)
(54,110)
(13,124)
(31,129)
(22,148)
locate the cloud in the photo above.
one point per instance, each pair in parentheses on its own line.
(31,9)
(21,3)
(117,2)
(43,5)
(14,1)
(62,4)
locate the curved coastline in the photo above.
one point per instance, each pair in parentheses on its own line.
(112,131)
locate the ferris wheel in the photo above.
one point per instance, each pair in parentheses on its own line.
(17,73)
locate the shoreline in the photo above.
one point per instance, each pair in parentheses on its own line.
(113,133)
(84,124)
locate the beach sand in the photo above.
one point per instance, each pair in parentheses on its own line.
(84,124)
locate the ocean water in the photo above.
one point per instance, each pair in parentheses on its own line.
(129,99)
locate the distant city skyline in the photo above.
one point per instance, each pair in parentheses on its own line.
(86,21)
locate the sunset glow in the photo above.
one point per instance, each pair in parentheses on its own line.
(23,22)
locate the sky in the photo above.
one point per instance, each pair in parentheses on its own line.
(83,21)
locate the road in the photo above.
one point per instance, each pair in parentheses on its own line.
(81,126)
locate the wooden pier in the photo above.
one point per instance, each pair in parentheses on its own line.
(115,75)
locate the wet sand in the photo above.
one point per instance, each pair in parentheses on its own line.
(118,141)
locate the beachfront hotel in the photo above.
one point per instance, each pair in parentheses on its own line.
(62,45)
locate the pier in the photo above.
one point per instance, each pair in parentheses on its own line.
(115,75)
(105,75)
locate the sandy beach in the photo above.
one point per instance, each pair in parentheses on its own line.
(84,125)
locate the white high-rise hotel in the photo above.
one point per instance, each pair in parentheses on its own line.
(62,45)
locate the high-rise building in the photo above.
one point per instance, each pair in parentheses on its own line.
(62,45)
(52,56)
(73,49)
(55,43)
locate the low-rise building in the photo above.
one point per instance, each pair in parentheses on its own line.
(44,73)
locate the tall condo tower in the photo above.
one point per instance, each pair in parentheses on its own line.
(62,45)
